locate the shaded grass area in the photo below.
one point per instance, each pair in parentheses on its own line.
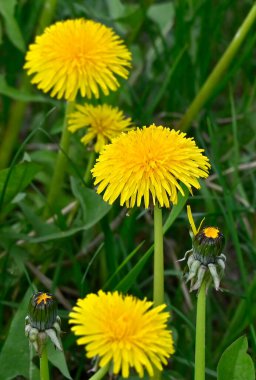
(88,245)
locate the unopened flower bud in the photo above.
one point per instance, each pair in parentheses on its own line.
(42,311)
(42,321)
(205,261)
(208,244)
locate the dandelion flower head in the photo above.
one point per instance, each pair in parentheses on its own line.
(102,123)
(77,55)
(123,331)
(149,164)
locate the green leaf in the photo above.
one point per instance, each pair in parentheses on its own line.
(241,319)
(176,210)
(11,25)
(126,283)
(108,284)
(16,348)
(235,363)
(57,358)
(163,14)
(93,206)
(15,355)
(15,179)
(23,96)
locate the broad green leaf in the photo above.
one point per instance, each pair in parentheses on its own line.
(55,235)
(23,96)
(39,226)
(235,363)
(57,358)
(93,206)
(15,179)
(163,14)
(116,8)
(16,347)
(241,319)
(11,25)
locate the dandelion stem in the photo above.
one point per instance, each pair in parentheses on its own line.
(200,334)
(44,369)
(60,165)
(91,160)
(47,15)
(100,373)
(158,266)
(213,79)
(158,257)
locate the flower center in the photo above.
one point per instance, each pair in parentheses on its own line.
(121,330)
(43,298)
(211,232)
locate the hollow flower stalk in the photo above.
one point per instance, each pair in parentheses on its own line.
(205,263)
(147,166)
(101,124)
(123,332)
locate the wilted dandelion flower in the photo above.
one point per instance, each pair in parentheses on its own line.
(77,55)
(102,123)
(149,163)
(123,331)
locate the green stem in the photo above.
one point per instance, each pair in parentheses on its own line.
(44,369)
(100,373)
(46,15)
(158,266)
(91,160)
(200,334)
(60,165)
(213,79)
(158,257)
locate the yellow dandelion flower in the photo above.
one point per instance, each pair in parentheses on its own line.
(77,55)
(102,122)
(123,331)
(149,163)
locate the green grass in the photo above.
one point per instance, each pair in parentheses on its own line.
(89,246)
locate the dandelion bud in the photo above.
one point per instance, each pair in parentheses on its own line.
(205,261)
(208,244)
(42,321)
(42,311)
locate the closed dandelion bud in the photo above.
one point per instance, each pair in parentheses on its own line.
(208,244)
(205,261)
(42,321)
(42,311)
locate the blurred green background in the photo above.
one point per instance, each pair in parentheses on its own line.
(89,245)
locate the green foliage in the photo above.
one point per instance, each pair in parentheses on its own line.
(235,363)
(14,93)
(17,346)
(12,28)
(15,179)
(85,244)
